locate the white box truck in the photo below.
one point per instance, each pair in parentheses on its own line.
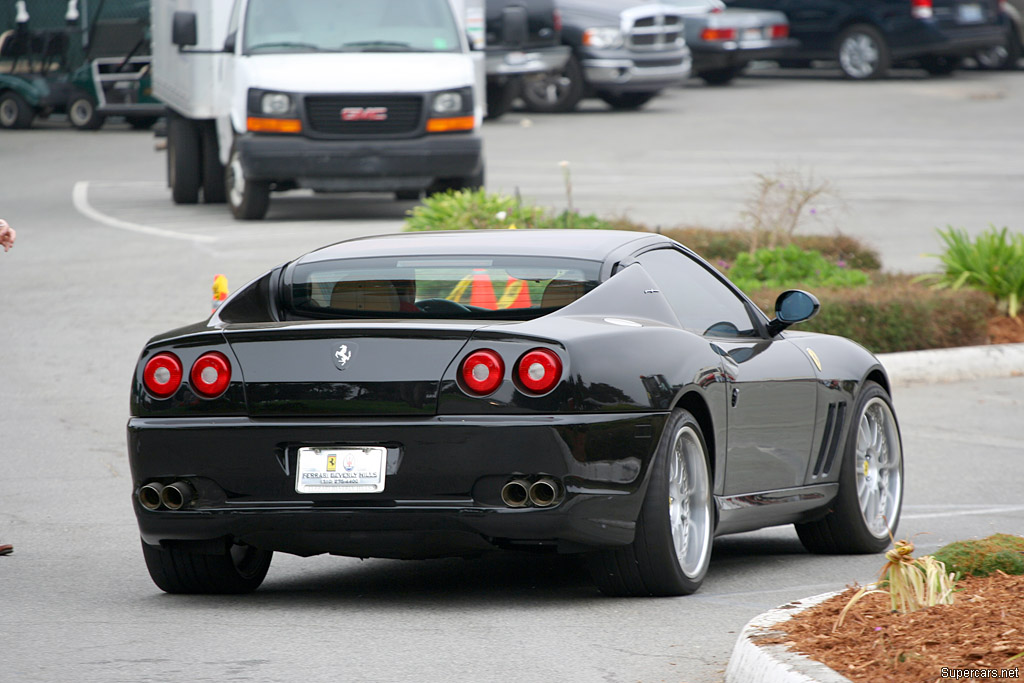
(330,95)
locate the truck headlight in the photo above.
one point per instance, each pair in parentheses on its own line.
(602,37)
(448,103)
(276,104)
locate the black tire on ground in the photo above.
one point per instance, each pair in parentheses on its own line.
(184,173)
(214,191)
(248,199)
(555,93)
(82,112)
(237,569)
(626,101)
(844,530)
(15,111)
(472,183)
(862,53)
(940,66)
(500,96)
(141,122)
(651,565)
(722,76)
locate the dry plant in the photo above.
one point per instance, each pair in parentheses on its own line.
(781,202)
(911,583)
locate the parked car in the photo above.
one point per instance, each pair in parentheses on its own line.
(1008,54)
(443,394)
(867,37)
(623,51)
(523,40)
(724,40)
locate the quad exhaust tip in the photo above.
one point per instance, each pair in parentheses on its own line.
(542,493)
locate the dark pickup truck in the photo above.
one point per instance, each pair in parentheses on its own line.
(523,41)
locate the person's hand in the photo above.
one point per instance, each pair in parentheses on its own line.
(7,235)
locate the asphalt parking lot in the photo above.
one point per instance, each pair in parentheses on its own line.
(104,261)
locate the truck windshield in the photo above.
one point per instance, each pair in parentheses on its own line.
(464,287)
(350,26)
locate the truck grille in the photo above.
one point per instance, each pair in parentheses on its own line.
(656,30)
(364,114)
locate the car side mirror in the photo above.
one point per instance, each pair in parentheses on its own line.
(183,29)
(792,307)
(231,42)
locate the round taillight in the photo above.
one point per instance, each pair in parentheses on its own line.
(539,370)
(482,372)
(211,374)
(162,375)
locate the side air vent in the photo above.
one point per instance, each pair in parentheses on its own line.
(830,438)
(837,431)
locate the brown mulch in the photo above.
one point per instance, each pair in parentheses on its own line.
(982,629)
(1006,330)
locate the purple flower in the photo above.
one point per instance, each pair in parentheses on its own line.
(841,263)
(814,212)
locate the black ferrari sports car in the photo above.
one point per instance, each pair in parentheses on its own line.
(445,394)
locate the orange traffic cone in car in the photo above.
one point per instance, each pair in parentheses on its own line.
(517,295)
(481,292)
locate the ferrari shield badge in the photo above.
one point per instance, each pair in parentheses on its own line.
(343,354)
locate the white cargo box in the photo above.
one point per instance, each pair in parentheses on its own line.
(185,81)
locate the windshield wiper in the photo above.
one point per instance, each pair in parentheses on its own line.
(287,44)
(379,46)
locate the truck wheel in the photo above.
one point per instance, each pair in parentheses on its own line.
(863,53)
(500,97)
(720,76)
(15,112)
(558,92)
(82,113)
(248,199)
(214,191)
(626,101)
(183,159)
(238,569)
(472,183)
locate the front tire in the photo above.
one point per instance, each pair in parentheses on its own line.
(236,569)
(82,113)
(248,199)
(671,550)
(555,93)
(626,101)
(184,153)
(866,512)
(862,53)
(15,111)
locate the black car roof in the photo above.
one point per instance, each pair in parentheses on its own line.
(592,245)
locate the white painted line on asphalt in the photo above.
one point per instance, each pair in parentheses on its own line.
(963,513)
(80,198)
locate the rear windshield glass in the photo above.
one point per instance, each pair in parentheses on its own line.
(488,287)
(350,26)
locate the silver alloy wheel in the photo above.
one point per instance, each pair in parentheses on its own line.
(551,89)
(859,55)
(877,465)
(689,503)
(993,57)
(236,188)
(8,113)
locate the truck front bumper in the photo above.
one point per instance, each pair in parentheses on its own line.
(627,74)
(356,165)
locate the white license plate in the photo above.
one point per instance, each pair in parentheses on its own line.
(753,34)
(969,13)
(341,470)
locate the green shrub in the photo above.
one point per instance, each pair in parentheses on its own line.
(1001,552)
(789,267)
(992,263)
(896,314)
(482,210)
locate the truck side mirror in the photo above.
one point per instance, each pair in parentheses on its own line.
(183,29)
(231,42)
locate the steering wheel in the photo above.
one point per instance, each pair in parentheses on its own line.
(440,306)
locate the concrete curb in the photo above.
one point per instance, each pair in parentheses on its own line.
(954,365)
(753,663)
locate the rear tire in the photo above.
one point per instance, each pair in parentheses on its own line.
(183,160)
(15,111)
(472,183)
(671,550)
(82,113)
(720,76)
(626,101)
(555,93)
(940,66)
(236,569)
(862,53)
(866,511)
(248,199)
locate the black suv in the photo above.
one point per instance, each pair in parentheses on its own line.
(867,37)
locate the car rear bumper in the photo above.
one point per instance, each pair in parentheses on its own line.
(360,164)
(442,492)
(727,54)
